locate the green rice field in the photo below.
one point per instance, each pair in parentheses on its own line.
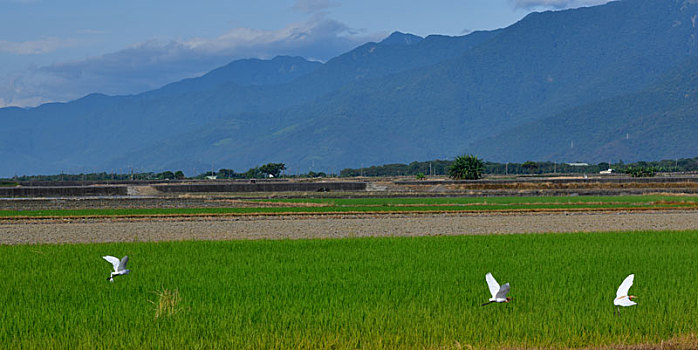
(372,293)
(492,200)
(390,205)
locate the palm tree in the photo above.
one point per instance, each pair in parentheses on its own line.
(466,167)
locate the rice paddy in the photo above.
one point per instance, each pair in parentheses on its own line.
(386,205)
(378,293)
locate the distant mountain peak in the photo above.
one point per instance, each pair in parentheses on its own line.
(286,58)
(399,38)
(248,72)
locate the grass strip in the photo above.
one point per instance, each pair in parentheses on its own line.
(489,200)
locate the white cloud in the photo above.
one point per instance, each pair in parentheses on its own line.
(36,47)
(556,4)
(151,64)
(319,38)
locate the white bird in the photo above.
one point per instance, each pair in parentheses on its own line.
(119,266)
(622,297)
(499,294)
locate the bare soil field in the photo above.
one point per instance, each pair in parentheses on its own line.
(334,226)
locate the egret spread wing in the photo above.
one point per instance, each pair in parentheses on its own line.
(624,301)
(502,294)
(492,283)
(122,264)
(625,286)
(113,260)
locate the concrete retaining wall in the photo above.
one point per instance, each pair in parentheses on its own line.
(62,191)
(106,191)
(590,180)
(133,182)
(266,187)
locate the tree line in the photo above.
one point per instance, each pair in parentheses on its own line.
(258,172)
(441,167)
(462,167)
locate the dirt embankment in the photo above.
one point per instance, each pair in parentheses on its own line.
(334,226)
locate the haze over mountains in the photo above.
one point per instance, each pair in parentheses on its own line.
(610,82)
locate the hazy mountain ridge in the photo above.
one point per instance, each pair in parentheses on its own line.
(432,113)
(621,128)
(247,72)
(138,123)
(406,98)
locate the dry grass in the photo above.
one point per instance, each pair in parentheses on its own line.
(167,303)
(683,342)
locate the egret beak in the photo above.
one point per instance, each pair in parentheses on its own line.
(631,297)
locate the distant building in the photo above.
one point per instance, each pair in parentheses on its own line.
(577,164)
(609,171)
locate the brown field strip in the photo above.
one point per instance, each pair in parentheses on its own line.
(340,213)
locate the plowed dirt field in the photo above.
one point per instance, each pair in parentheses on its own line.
(334,226)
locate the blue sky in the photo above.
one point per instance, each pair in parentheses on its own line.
(61,50)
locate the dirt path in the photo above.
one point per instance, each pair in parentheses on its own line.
(302,227)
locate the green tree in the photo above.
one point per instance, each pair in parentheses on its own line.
(641,171)
(167,175)
(273,169)
(253,173)
(179,175)
(228,174)
(530,166)
(466,167)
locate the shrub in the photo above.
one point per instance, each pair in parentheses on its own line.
(642,171)
(466,167)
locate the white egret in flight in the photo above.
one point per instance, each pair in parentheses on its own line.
(119,266)
(499,294)
(622,297)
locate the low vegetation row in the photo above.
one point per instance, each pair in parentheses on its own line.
(442,167)
(385,205)
(462,167)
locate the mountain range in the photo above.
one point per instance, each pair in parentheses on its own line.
(610,82)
